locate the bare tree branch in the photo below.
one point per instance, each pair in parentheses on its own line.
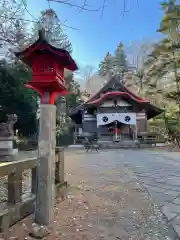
(137,1)
(49,4)
(10,11)
(35,21)
(125,8)
(83,7)
(103,7)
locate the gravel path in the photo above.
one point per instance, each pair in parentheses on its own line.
(107,202)
(110,197)
(159,173)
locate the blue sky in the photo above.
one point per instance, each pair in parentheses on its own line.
(97,35)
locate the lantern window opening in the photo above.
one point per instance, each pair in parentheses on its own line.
(43,68)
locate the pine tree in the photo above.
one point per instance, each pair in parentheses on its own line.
(162,76)
(53,30)
(170,22)
(164,60)
(106,67)
(121,65)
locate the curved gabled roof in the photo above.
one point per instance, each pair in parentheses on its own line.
(113,94)
(43,45)
(114,80)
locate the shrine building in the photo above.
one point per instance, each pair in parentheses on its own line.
(114,113)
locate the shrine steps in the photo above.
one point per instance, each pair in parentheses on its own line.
(117,145)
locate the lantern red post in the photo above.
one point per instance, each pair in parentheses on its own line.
(47,63)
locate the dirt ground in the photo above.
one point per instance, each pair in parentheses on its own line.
(97,208)
(168,148)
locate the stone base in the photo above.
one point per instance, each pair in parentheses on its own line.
(8,158)
(7,153)
(12,213)
(61,190)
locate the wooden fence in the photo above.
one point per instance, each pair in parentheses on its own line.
(19,205)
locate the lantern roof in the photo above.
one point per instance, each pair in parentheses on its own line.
(41,45)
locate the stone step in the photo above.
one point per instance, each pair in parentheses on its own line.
(116,145)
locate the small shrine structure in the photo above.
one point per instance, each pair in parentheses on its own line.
(114,113)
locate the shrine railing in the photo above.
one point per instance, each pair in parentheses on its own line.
(19,188)
(143,137)
(150,138)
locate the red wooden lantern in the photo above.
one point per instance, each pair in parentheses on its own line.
(48,64)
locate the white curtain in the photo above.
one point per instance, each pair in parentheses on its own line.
(106,118)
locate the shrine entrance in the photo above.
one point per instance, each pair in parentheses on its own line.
(116,127)
(120,131)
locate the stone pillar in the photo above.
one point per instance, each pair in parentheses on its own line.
(44,214)
(98,127)
(59,171)
(146,122)
(115,126)
(75,133)
(7,152)
(135,132)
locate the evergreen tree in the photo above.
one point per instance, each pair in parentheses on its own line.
(162,76)
(106,67)
(15,98)
(53,30)
(170,22)
(121,65)
(164,60)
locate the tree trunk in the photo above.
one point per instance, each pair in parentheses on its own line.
(177,84)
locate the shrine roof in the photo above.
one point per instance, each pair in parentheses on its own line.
(119,90)
(41,44)
(115,94)
(115,82)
